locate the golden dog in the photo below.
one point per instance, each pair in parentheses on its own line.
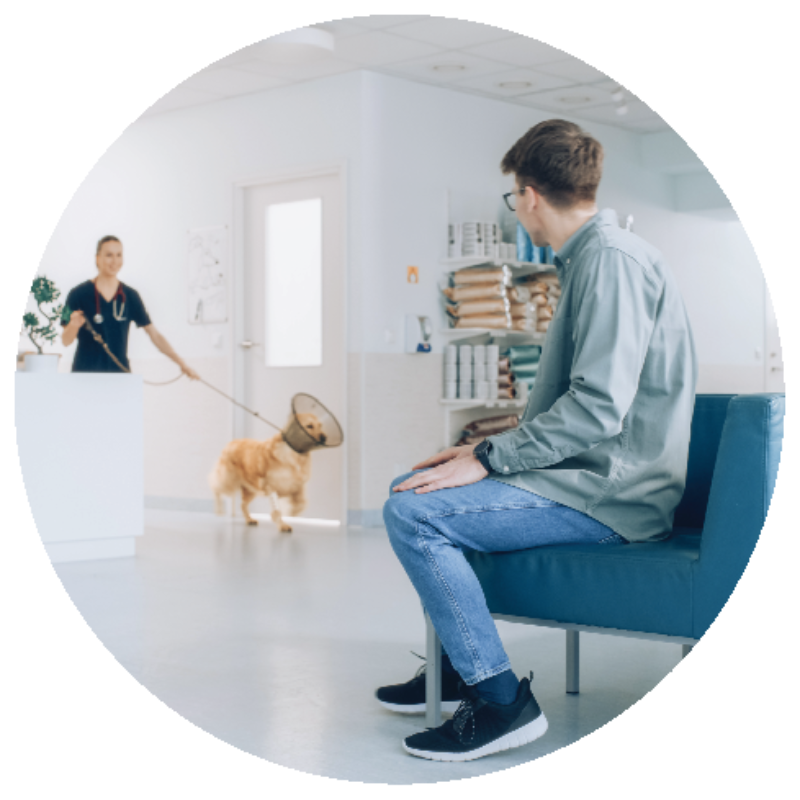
(271,468)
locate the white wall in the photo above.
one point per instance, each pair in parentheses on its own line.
(164,175)
(408,147)
(430,141)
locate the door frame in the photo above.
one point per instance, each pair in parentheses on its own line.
(236,354)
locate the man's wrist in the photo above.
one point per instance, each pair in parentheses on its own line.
(481,452)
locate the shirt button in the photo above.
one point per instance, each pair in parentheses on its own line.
(505,469)
(567,261)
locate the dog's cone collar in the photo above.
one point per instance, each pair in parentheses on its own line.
(298,438)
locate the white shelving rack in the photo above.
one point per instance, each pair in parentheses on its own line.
(464,410)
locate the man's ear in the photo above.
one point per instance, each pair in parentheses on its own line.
(532,199)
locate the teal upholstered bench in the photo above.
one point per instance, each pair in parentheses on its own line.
(666,591)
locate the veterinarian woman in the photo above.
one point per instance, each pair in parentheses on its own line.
(110,305)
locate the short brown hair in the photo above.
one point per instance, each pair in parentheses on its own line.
(559,160)
(103,241)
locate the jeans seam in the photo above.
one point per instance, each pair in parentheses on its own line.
(449,594)
(483,676)
(472,509)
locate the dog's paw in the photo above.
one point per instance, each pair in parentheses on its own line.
(286,529)
(252,522)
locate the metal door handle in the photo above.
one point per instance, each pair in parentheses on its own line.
(248,344)
(776,369)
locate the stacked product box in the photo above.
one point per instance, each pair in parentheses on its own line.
(477,239)
(477,372)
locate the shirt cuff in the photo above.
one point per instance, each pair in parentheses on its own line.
(503,456)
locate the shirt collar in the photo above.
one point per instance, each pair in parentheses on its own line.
(605,217)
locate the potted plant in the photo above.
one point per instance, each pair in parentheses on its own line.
(45,294)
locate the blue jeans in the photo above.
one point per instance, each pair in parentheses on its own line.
(428,531)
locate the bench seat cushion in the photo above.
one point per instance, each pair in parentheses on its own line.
(645,587)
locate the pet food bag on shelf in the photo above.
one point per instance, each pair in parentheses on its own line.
(526,292)
(548,278)
(526,372)
(525,324)
(471,308)
(489,426)
(524,311)
(484,321)
(524,354)
(477,431)
(476,291)
(484,273)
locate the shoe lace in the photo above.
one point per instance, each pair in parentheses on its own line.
(421,671)
(464,719)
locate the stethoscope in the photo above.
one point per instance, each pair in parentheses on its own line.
(118,315)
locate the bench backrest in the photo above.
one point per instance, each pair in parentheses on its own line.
(708,420)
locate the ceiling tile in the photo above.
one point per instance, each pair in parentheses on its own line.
(238,56)
(230,81)
(610,85)
(377,47)
(638,112)
(297,72)
(181,97)
(518,51)
(449,33)
(489,83)
(569,99)
(341,28)
(573,69)
(423,68)
(376,21)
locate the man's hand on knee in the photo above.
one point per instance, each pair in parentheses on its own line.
(458,470)
(446,455)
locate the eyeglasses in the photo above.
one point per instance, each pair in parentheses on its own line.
(508,195)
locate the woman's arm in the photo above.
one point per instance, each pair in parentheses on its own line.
(164,346)
(76,320)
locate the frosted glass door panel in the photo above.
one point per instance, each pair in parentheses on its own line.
(293,284)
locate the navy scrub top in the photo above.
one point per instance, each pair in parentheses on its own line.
(90,356)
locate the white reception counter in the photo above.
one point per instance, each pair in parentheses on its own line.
(81,448)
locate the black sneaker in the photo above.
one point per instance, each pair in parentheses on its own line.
(409,697)
(480,727)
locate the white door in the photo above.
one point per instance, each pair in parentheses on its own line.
(294,319)
(773,380)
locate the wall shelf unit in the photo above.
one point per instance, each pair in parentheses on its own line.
(459,412)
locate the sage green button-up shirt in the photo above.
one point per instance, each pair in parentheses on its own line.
(606,427)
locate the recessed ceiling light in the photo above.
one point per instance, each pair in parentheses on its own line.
(514,85)
(575,99)
(448,67)
(618,94)
(623,109)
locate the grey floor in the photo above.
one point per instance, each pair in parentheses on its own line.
(275,643)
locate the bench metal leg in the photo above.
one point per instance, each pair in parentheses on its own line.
(573,662)
(433,676)
(686,649)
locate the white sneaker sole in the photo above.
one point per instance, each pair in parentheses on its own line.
(525,735)
(449,707)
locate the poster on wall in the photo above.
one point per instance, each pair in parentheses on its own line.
(208,274)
